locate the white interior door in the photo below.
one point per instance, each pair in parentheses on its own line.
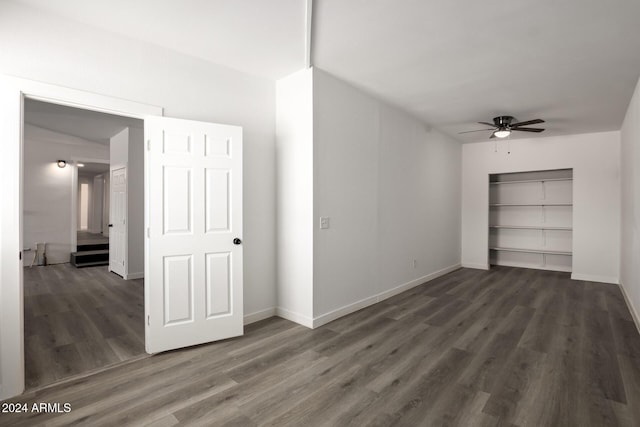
(117,221)
(193,268)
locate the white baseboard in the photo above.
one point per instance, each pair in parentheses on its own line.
(133,276)
(358,305)
(259,315)
(294,317)
(594,278)
(632,310)
(475,266)
(343,311)
(419,281)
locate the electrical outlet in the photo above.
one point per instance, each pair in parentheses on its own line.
(324,222)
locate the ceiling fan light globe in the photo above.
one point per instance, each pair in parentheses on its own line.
(502,133)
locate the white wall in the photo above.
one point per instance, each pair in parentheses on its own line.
(44,47)
(294,159)
(127,149)
(630,195)
(389,185)
(595,159)
(135,204)
(47,188)
(391,188)
(119,148)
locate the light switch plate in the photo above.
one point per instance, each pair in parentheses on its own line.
(324,222)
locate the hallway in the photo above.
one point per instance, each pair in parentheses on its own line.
(78,320)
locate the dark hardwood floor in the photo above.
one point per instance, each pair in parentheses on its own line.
(87,238)
(77,320)
(506,347)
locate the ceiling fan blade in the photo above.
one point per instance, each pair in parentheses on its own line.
(488,124)
(528,129)
(528,122)
(493,135)
(479,130)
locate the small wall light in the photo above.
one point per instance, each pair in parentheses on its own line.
(80,165)
(62,163)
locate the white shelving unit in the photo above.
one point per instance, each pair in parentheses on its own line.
(529,204)
(528,227)
(530,219)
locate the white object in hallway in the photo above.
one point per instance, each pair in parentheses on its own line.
(118,233)
(84,206)
(194,269)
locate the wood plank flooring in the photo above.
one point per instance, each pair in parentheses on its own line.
(505,347)
(87,238)
(78,320)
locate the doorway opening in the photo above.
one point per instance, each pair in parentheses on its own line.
(93,216)
(192,255)
(83,285)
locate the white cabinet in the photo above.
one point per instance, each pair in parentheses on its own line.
(530,219)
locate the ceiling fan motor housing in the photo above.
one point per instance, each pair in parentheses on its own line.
(503,122)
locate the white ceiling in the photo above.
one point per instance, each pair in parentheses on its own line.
(92,169)
(573,63)
(89,125)
(263,37)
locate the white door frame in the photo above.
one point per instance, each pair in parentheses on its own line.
(13,91)
(74,195)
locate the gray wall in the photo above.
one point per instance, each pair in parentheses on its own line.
(630,177)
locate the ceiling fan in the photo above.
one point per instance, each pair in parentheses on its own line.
(502,126)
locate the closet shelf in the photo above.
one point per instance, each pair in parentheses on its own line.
(531,251)
(531,227)
(530,180)
(529,204)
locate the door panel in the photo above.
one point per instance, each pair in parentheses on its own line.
(218,182)
(178,289)
(177,197)
(194,212)
(218,284)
